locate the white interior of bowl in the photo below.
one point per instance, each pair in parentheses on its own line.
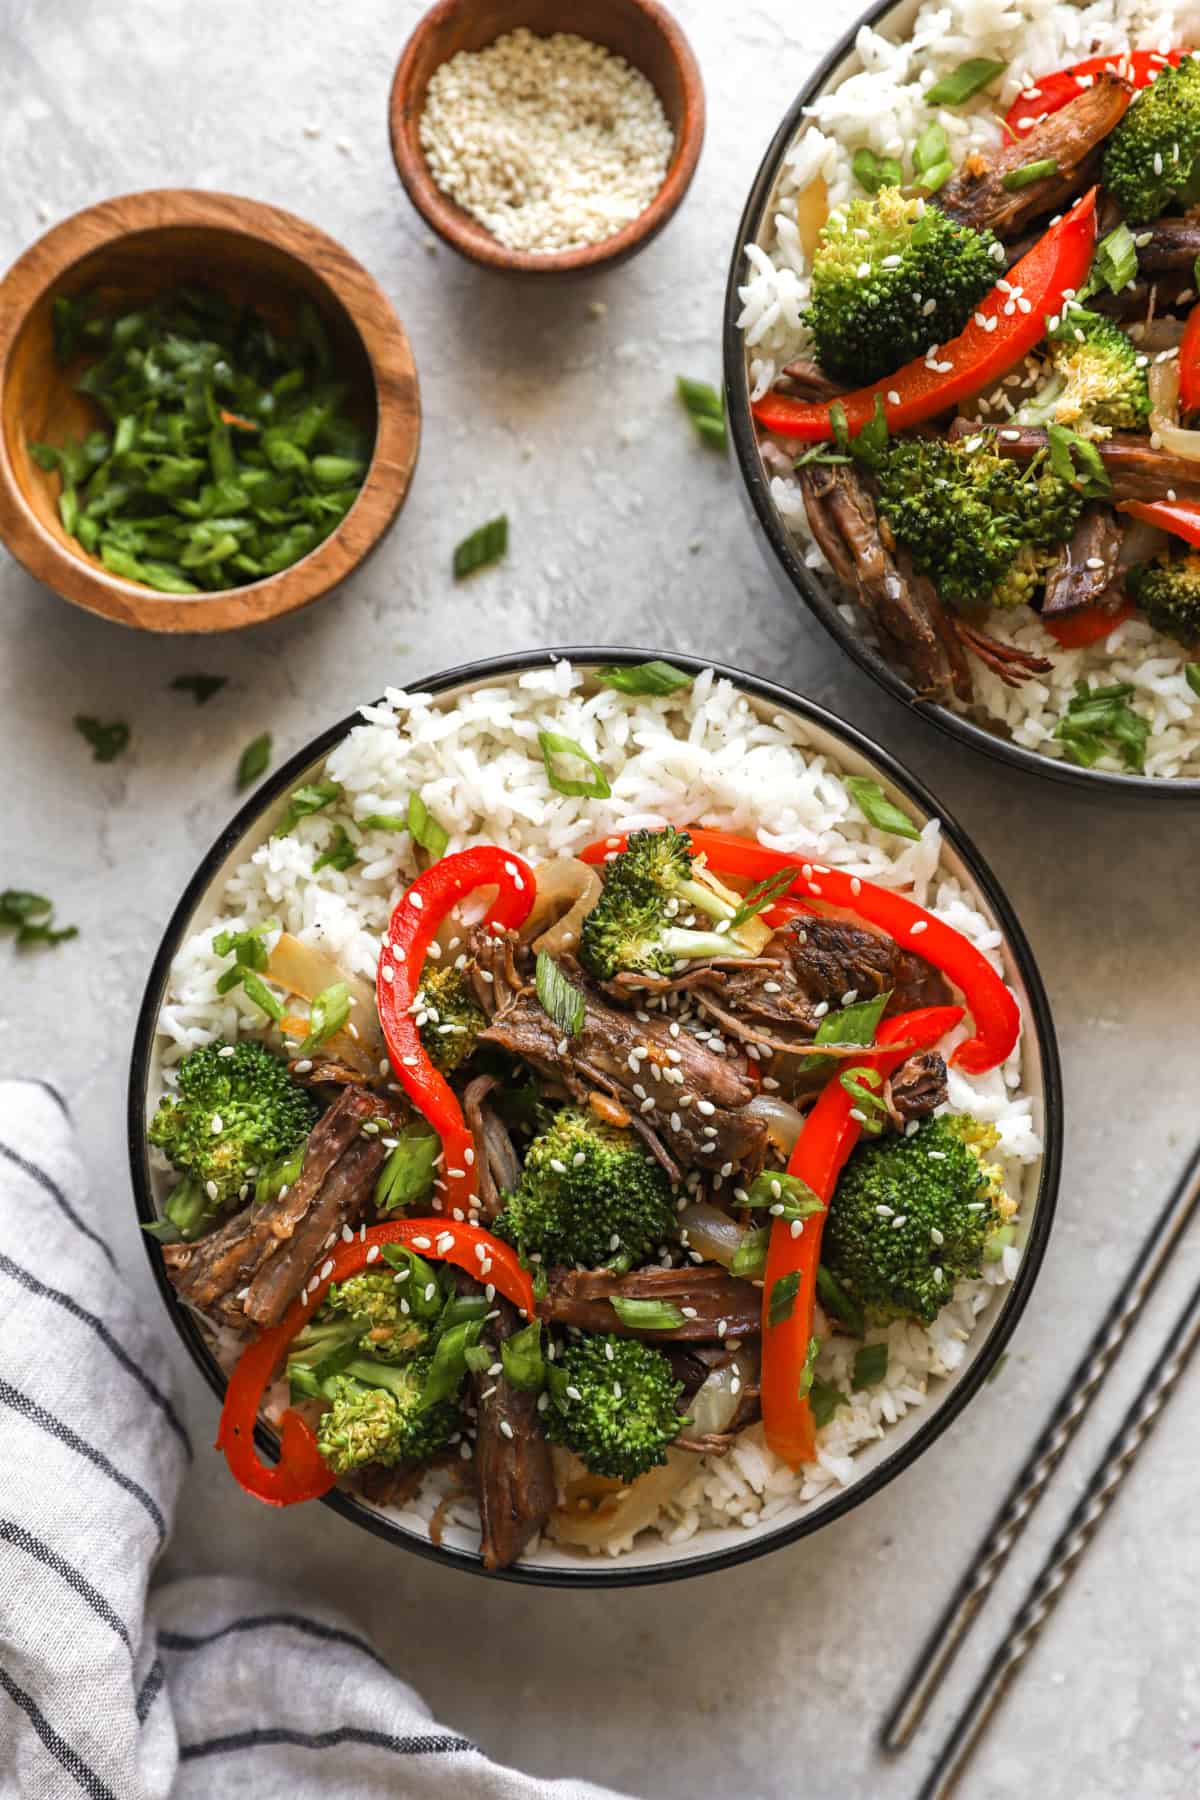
(650,1551)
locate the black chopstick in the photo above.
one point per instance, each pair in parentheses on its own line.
(1047,1589)
(967,1600)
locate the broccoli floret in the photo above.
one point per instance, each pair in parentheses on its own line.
(235,1111)
(981,527)
(1097,382)
(891,277)
(375,1302)
(375,1415)
(647,887)
(589,1193)
(911,1216)
(453,1017)
(614,1401)
(1151,156)
(1169,595)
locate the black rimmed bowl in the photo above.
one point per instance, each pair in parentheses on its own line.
(782,551)
(876,1464)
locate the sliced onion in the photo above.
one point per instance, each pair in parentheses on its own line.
(783,1122)
(567,890)
(713,1405)
(307,972)
(597,1514)
(812,210)
(1164,411)
(716,1236)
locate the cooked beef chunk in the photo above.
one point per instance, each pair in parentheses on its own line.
(325,1072)
(903,607)
(496,1162)
(1137,471)
(251,1268)
(1072,137)
(512,1466)
(1086,567)
(779,999)
(1170,246)
(805,380)
(582,1297)
(496,976)
(692,1115)
(918,1087)
(392,1487)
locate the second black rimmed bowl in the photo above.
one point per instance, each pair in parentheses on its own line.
(784,552)
(651,1558)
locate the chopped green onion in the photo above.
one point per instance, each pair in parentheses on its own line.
(107,741)
(254,760)
(786,1196)
(385,822)
(313,797)
(647,1315)
(877,809)
(655,678)
(1076,460)
(750,1257)
(931,148)
(936,176)
(860,1085)
(1115,262)
(874,172)
(30,916)
(1192,675)
(342,853)
(257,990)
(482,547)
(419,1278)
(706,409)
(478,1357)
(449,1363)
(809,1372)
(836,1300)
(824,1399)
(524,1363)
(1028,174)
(1099,721)
(782,1303)
(200,687)
(247,946)
(855,1024)
(552,744)
(870,1366)
(407,1175)
(763,894)
(326,1016)
(424,828)
(963,83)
(563,1002)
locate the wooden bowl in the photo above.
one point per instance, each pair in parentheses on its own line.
(641,31)
(128,250)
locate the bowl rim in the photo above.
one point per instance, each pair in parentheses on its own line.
(462,232)
(1016,1297)
(49,261)
(791,566)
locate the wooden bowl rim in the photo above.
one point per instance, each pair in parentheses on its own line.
(388,354)
(456,227)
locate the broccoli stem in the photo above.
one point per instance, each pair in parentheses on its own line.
(694,893)
(188,1208)
(700,943)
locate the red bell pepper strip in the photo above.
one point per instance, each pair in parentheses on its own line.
(828,1136)
(995,1011)
(1182,517)
(1091,624)
(300,1473)
(977,357)
(1189,363)
(1050,93)
(402,955)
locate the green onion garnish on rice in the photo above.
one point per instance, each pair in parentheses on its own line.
(552,744)
(656,678)
(877,809)
(963,83)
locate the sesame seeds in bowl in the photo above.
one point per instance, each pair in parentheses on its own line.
(547,138)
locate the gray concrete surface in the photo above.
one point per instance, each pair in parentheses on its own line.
(557,406)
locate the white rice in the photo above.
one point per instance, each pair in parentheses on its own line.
(704,756)
(882,107)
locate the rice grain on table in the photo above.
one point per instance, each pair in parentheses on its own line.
(883,108)
(552,143)
(703,755)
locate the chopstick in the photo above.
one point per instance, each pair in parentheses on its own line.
(1047,1589)
(947,1637)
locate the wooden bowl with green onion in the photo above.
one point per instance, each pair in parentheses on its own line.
(332,438)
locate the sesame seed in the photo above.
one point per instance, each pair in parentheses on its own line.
(899,1220)
(573,1393)
(422,1243)
(218,1124)
(326,1270)
(387,971)
(616,1390)
(414,899)
(920,926)
(706,1107)
(212,1190)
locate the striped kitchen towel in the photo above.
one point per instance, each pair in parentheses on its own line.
(109,1687)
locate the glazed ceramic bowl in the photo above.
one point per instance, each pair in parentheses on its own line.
(875,1465)
(783,551)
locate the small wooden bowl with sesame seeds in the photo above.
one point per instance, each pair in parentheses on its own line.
(642,32)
